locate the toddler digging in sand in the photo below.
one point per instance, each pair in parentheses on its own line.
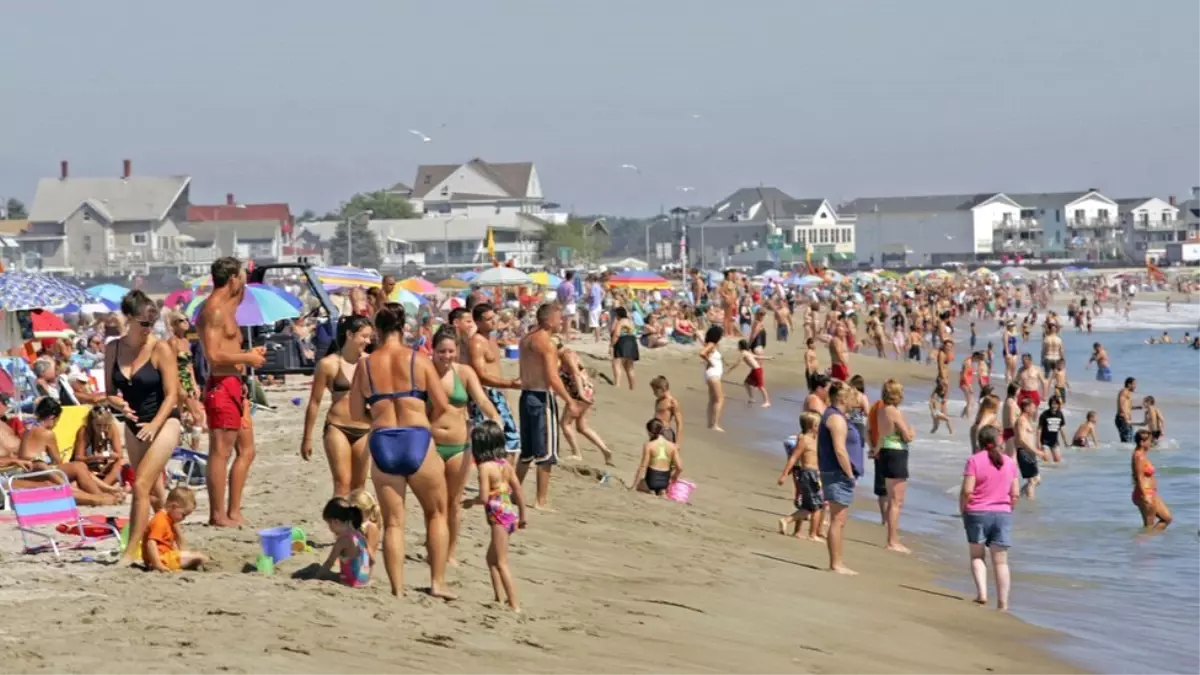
(350,551)
(806,476)
(163,546)
(498,489)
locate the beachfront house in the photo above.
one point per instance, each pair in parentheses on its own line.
(260,240)
(757,226)
(476,189)
(1149,224)
(123,224)
(1082,225)
(1189,215)
(934,229)
(448,244)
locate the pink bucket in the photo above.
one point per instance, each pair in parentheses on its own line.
(681,491)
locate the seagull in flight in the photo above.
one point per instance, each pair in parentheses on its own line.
(695,116)
(686,188)
(420,135)
(631,167)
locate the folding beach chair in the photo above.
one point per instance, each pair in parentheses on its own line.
(186,467)
(48,506)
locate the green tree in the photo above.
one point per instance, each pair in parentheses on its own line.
(307,217)
(382,204)
(15,208)
(587,239)
(355,238)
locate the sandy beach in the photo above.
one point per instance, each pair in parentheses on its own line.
(612,581)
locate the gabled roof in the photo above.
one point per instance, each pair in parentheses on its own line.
(923,204)
(1048,201)
(133,198)
(1190,209)
(1133,203)
(752,205)
(280,213)
(801,208)
(400,188)
(511,177)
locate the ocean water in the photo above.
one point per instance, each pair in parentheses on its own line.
(1128,601)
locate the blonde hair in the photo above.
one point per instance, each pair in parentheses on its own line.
(893,392)
(366,503)
(809,421)
(182,496)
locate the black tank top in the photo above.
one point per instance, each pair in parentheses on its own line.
(144,393)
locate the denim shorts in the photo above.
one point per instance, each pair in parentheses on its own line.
(837,487)
(992,528)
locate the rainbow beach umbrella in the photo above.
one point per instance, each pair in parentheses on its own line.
(543,278)
(417,285)
(347,277)
(263,305)
(639,280)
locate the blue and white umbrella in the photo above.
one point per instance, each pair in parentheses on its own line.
(95,306)
(33,290)
(110,292)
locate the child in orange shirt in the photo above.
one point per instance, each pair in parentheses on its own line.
(162,548)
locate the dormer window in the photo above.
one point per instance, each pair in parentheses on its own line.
(427,178)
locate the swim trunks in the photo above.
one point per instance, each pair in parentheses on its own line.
(755,378)
(840,371)
(1029,395)
(1103,374)
(1008,434)
(1124,429)
(538,411)
(225,402)
(512,440)
(1027,463)
(808,490)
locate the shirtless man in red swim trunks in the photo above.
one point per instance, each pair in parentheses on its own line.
(225,402)
(839,369)
(1032,381)
(1009,413)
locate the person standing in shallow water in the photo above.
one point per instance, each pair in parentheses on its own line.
(1155,514)
(990,487)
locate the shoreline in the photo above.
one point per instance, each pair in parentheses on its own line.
(612,581)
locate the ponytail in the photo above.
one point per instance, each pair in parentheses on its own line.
(988,442)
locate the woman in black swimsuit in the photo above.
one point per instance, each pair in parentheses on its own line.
(345,440)
(403,392)
(143,385)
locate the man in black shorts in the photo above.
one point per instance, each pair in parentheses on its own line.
(538,414)
(1051,429)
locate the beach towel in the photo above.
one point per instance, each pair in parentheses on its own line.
(69,423)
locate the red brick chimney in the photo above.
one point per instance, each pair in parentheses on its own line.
(1171,200)
(126,168)
(229,201)
(63,170)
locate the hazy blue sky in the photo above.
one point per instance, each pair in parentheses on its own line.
(309,101)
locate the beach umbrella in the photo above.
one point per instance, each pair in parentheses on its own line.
(262,306)
(546,279)
(452,303)
(174,297)
(417,285)
(33,290)
(771,274)
(639,280)
(110,292)
(48,325)
(834,276)
(806,280)
(983,272)
(200,283)
(502,276)
(466,276)
(864,276)
(347,277)
(453,284)
(889,274)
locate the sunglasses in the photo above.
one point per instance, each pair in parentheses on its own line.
(148,323)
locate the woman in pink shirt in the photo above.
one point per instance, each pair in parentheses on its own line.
(990,487)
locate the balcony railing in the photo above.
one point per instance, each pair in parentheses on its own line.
(1156,224)
(164,256)
(1093,223)
(1014,225)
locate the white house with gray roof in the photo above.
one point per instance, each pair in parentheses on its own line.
(739,227)
(477,189)
(1150,223)
(107,225)
(966,227)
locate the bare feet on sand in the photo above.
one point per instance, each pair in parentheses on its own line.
(717,429)
(442,593)
(544,508)
(842,569)
(898,548)
(817,538)
(783,525)
(223,522)
(767,404)
(982,602)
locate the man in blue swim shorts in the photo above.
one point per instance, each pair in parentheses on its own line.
(538,410)
(482,353)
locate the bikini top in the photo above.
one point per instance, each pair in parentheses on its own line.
(143,391)
(375,397)
(660,451)
(458,394)
(340,383)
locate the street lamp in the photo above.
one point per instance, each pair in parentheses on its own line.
(350,232)
(677,216)
(660,218)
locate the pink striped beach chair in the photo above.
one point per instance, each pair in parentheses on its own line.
(47,507)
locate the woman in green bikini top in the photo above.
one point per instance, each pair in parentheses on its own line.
(450,432)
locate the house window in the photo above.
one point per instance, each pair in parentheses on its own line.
(427,178)
(1145,217)
(87,243)
(1166,217)
(800,237)
(87,215)
(1079,215)
(140,239)
(1102,214)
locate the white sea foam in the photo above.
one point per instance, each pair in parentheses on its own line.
(1149,315)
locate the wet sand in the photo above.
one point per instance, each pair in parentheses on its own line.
(613,581)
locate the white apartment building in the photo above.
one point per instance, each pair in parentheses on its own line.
(1149,224)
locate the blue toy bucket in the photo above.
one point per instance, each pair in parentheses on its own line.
(276,542)
(511,352)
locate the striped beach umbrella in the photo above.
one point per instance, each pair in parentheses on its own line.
(546,279)
(263,305)
(417,285)
(347,277)
(639,280)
